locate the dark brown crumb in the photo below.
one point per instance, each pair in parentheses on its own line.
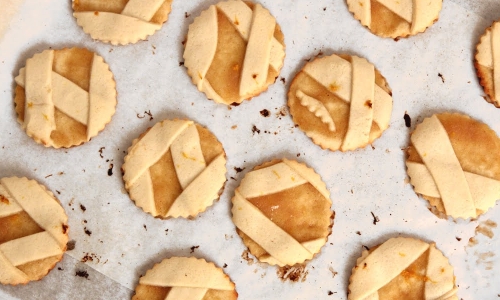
(358,232)
(441,76)
(294,273)
(186,15)
(324,9)
(110,170)
(64,228)
(144,225)
(102,148)
(149,114)
(82,274)
(71,245)
(407,120)
(369,104)
(375,219)
(194,248)
(184,42)
(233,178)
(238,170)
(283,80)
(298,154)
(396,39)
(255,129)
(83,208)
(181,63)
(88,232)
(331,293)
(264,113)
(458,239)
(48,176)
(60,269)
(59,193)
(235,104)
(367,249)
(140,117)
(224,266)
(60,173)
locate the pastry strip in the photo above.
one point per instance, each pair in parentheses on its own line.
(402,8)
(191,293)
(143,193)
(30,248)
(440,278)
(309,175)
(142,9)
(495,50)
(8,206)
(9,273)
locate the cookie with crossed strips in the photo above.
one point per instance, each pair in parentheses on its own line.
(177,168)
(33,231)
(121,22)
(64,97)
(282,212)
(185,278)
(402,268)
(341,102)
(234,51)
(487,63)
(395,18)
(454,163)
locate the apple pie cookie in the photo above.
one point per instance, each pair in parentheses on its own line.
(33,231)
(282,212)
(454,163)
(185,278)
(340,102)
(395,18)
(121,21)
(402,268)
(234,51)
(487,62)
(175,169)
(64,97)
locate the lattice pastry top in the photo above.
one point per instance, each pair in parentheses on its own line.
(64,97)
(121,22)
(454,162)
(282,212)
(33,231)
(340,102)
(234,51)
(395,18)
(185,278)
(487,62)
(402,268)
(175,169)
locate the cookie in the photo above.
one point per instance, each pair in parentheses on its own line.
(395,18)
(33,231)
(121,22)
(341,102)
(487,63)
(64,97)
(282,212)
(402,268)
(175,169)
(234,51)
(185,278)
(454,163)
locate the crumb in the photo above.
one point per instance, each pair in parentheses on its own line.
(235,104)
(375,219)
(48,176)
(358,232)
(238,170)
(149,114)
(181,63)
(407,120)
(264,113)
(334,273)
(83,208)
(255,129)
(298,154)
(234,127)
(246,257)
(224,266)
(441,76)
(183,42)
(458,239)
(283,80)
(396,39)
(294,273)
(71,245)
(90,257)
(64,228)
(110,170)
(194,248)
(233,178)
(60,173)
(144,225)
(324,8)
(60,269)
(367,249)
(186,15)
(88,232)
(82,274)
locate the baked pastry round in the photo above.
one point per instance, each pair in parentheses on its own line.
(185,278)
(340,102)
(234,51)
(454,163)
(33,231)
(402,268)
(395,18)
(487,63)
(121,22)
(64,97)
(282,211)
(175,169)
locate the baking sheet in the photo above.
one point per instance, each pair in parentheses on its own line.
(125,242)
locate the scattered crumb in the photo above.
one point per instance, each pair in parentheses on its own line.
(441,76)
(265,113)
(224,266)
(485,228)
(194,248)
(283,80)
(88,232)
(294,273)
(90,257)
(60,173)
(255,129)
(100,151)
(458,239)
(83,208)
(245,255)
(82,274)
(71,245)
(407,120)
(281,112)
(233,178)
(238,170)
(334,273)
(358,232)
(472,242)
(375,219)
(60,269)
(110,170)
(367,249)
(228,237)
(144,225)
(59,193)
(71,201)
(186,15)
(48,176)
(234,127)
(298,154)
(181,63)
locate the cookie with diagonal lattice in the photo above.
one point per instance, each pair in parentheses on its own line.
(282,212)
(340,102)
(64,97)
(395,18)
(175,169)
(454,163)
(33,231)
(234,51)
(185,278)
(487,63)
(121,22)
(402,268)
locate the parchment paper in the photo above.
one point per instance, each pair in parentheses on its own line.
(125,242)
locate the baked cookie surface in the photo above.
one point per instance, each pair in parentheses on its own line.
(185,278)
(402,268)
(341,102)
(175,169)
(395,18)
(454,163)
(33,231)
(282,212)
(234,51)
(487,63)
(121,21)
(64,97)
